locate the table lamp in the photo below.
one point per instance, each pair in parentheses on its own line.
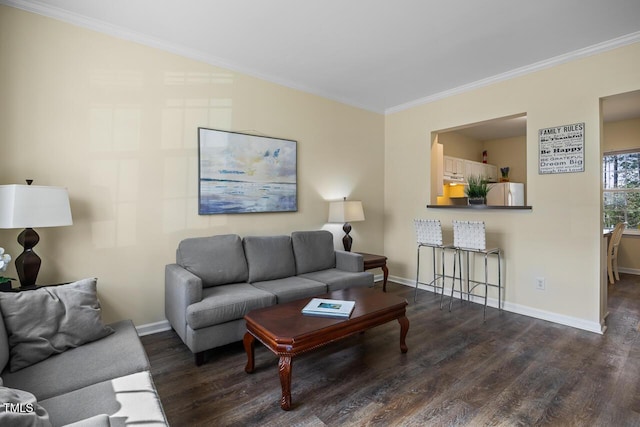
(346,211)
(28,206)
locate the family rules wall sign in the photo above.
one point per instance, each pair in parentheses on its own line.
(561,149)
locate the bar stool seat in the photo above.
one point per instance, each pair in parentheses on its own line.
(469,237)
(429,234)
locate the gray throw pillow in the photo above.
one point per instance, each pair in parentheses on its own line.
(50,320)
(269,257)
(217,260)
(20,408)
(313,251)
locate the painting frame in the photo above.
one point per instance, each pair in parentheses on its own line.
(246,173)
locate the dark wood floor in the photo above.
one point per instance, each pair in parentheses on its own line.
(512,370)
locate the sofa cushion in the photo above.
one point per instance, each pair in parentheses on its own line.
(20,408)
(217,260)
(338,279)
(292,288)
(225,303)
(129,400)
(51,320)
(118,354)
(269,257)
(313,250)
(4,345)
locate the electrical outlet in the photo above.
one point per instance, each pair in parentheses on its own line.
(540,283)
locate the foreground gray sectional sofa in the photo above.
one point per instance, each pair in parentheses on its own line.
(216,280)
(103,382)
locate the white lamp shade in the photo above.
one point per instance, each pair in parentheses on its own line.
(346,211)
(31,206)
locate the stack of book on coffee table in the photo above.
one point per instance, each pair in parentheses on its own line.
(329,308)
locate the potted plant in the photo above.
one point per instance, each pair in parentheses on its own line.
(5,282)
(505,174)
(476,190)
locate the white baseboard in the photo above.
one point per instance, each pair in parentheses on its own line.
(629,271)
(153,328)
(519,309)
(163,325)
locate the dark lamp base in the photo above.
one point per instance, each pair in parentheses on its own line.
(28,262)
(347,240)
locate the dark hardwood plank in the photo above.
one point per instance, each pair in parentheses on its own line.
(459,371)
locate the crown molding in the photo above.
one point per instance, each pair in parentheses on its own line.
(181,50)
(123,33)
(547,63)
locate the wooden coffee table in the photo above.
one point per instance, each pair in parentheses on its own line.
(284,330)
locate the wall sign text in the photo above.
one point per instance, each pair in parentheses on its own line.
(561,149)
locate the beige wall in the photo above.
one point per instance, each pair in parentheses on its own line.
(621,135)
(460,146)
(559,239)
(116,123)
(511,152)
(618,136)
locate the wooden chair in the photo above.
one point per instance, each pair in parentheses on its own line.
(612,252)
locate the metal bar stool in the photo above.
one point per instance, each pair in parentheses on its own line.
(470,237)
(429,234)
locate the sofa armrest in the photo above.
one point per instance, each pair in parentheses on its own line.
(181,289)
(349,261)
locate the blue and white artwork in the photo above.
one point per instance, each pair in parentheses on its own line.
(241,173)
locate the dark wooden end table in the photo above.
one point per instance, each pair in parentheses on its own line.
(7,287)
(376,261)
(287,332)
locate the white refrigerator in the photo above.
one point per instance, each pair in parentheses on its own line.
(506,194)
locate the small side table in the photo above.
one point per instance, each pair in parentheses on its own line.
(6,287)
(376,261)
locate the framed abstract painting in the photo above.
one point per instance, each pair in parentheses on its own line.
(243,173)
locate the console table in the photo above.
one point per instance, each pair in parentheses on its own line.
(376,261)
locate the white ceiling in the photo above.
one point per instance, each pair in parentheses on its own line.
(381,55)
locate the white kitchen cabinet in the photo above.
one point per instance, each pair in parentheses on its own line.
(458,169)
(472,168)
(491,172)
(454,167)
(487,171)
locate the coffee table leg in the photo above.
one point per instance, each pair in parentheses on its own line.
(284,366)
(248,342)
(404,328)
(385,273)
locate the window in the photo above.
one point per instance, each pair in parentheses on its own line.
(621,185)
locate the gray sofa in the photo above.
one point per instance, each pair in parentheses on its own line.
(216,280)
(102,382)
